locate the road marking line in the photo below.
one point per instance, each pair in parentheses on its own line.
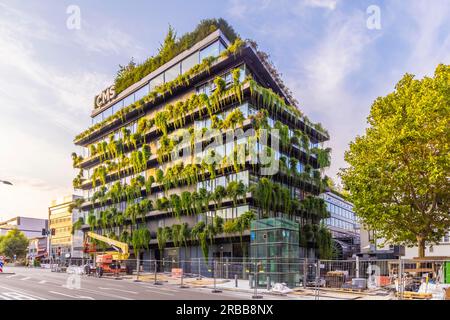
(12,276)
(127,291)
(18,296)
(75,297)
(4,298)
(42,281)
(164,293)
(160,288)
(26,278)
(23,292)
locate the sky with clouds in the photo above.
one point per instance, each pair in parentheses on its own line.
(332,62)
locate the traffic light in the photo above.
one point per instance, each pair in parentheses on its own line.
(44,232)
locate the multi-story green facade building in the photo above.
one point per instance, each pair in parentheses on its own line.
(154,171)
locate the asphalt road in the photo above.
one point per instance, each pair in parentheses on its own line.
(42,284)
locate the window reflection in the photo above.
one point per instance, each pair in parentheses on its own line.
(190,62)
(213,50)
(172,73)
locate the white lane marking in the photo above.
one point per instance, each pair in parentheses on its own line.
(69,296)
(22,292)
(13,275)
(26,278)
(18,296)
(4,298)
(126,291)
(42,281)
(159,292)
(161,288)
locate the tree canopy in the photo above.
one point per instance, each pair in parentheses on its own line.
(398,173)
(14,243)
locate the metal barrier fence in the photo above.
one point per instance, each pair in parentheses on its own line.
(405,278)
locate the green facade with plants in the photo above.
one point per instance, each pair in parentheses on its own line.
(152,176)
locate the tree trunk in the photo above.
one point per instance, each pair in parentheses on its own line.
(421,246)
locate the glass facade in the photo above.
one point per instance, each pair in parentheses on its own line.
(275,243)
(342,218)
(170,74)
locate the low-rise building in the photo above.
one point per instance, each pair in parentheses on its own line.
(374,246)
(31,227)
(441,249)
(37,249)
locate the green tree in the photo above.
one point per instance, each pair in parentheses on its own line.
(14,243)
(399,170)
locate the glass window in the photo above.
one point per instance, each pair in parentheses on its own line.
(156,81)
(128,100)
(98,118)
(142,92)
(172,73)
(107,113)
(190,62)
(117,106)
(213,50)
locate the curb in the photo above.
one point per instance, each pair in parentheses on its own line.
(7,273)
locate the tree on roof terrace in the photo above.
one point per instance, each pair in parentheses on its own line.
(132,72)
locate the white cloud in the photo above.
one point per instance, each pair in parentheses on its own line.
(323,4)
(237,9)
(427,35)
(44,105)
(107,40)
(322,78)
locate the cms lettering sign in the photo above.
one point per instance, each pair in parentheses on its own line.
(105,97)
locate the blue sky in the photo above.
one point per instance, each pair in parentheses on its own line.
(332,62)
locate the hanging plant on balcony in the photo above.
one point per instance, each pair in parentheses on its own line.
(176,235)
(185,234)
(202,238)
(134,139)
(161,119)
(175,203)
(124,237)
(92,220)
(148,184)
(237,86)
(145,205)
(234,118)
(92,150)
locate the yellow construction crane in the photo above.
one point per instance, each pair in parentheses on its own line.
(122,248)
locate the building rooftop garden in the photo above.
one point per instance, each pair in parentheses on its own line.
(132,72)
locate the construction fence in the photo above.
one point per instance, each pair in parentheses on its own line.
(422,279)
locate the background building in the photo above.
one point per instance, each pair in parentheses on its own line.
(37,249)
(441,249)
(373,246)
(61,217)
(31,227)
(343,224)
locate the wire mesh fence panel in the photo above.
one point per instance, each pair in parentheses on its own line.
(428,277)
(425,278)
